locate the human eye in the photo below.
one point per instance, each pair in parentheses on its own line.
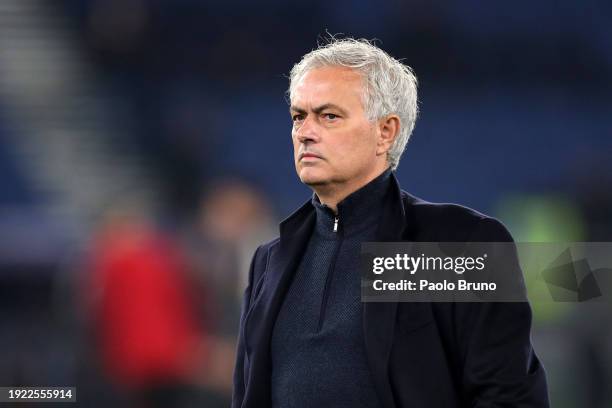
(297,117)
(330,116)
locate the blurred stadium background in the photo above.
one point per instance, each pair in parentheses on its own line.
(145,151)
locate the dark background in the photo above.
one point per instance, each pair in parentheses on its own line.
(175,113)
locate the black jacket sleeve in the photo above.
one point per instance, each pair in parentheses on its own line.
(500,367)
(239,387)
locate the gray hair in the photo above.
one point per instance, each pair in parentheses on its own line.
(390,87)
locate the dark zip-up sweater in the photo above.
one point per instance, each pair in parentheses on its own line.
(317,347)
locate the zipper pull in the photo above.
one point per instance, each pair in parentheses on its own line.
(336,223)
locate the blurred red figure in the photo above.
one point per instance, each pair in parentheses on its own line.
(147,326)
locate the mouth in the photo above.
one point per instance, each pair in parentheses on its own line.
(309,156)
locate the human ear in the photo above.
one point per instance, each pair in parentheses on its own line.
(388,129)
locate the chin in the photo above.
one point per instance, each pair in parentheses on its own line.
(311,176)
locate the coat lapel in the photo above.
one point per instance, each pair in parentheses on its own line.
(379,317)
(295,233)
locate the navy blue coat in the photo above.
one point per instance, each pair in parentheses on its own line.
(420,354)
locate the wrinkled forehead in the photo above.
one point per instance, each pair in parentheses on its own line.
(328,84)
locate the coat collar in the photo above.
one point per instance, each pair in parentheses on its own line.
(295,232)
(378,319)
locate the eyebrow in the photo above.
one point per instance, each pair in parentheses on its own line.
(318,109)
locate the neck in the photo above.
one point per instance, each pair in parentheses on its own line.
(331,195)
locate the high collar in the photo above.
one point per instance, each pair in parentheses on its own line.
(303,219)
(358,211)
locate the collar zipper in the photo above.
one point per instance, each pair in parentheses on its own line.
(336,218)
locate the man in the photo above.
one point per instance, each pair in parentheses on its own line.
(306,339)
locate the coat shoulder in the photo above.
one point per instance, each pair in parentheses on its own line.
(438,222)
(262,253)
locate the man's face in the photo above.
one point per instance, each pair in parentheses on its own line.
(333,141)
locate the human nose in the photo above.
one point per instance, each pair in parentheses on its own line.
(307,131)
